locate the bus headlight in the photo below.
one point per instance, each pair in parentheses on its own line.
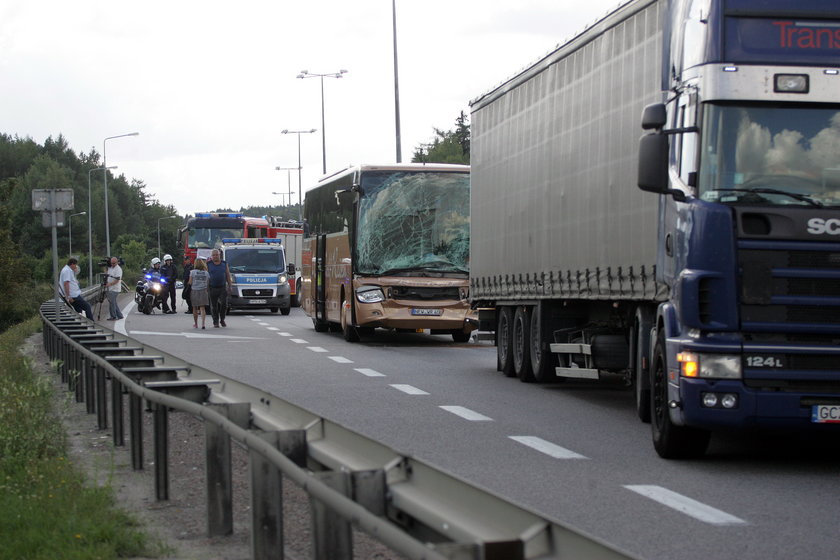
(709,366)
(370,294)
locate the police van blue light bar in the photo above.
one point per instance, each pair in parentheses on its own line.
(251,240)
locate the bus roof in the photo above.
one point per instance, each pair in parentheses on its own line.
(448,167)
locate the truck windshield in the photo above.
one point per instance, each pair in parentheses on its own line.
(413,223)
(248,261)
(770,155)
(206,238)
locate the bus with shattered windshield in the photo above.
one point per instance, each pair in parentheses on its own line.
(387,246)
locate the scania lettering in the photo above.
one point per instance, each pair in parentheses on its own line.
(260,274)
(718,296)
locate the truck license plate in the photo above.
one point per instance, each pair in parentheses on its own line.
(427,312)
(825,414)
(256,301)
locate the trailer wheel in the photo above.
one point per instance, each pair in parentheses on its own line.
(521,343)
(504,334)
(669,440)
(542,360)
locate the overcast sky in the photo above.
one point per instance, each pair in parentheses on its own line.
(210,85)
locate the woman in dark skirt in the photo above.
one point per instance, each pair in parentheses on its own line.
(199,296)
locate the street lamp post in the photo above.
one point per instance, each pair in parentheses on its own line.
(288,171)
(159,219)
(90,225)
(300,184)
(308,74)
(105,164)
(396,85)
(70,232)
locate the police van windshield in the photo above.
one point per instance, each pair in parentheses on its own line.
(768,155)
(266,261)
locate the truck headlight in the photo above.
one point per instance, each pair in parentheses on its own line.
(709,366)
(370,294)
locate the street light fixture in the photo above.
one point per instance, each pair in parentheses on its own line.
(70,232)
(90,226)
(159,219)
(105,164)
(307,74)
(300,184)
(288,171)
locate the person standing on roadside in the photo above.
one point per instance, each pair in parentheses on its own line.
(113,287)
(220,282)
(187,291)
(70,289)
(198,281)
(169,272)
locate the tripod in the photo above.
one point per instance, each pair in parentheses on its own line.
(101,296)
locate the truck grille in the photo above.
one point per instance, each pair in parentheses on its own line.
(794,290)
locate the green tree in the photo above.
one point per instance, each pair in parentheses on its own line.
(451,146)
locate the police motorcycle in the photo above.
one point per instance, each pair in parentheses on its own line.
(149,292)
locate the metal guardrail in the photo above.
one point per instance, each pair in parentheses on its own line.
(353,481)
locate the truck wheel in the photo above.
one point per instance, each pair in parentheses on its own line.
(639,351)
(285,310)
(542,360)
(521,344)
(295,299)
(670,441)
(349,331)
(504,334)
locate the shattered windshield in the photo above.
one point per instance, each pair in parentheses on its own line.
(771,155)
(252,261)
(207,238)
(413,223)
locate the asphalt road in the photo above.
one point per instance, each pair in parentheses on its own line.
(574,452)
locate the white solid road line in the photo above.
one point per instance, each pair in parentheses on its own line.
(409,389)
(467,414)
(686,505)
(550,449)
(369,372)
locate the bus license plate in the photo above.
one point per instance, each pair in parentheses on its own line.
(256,301)
(427,312)
(825,414)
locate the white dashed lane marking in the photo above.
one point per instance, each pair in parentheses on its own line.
(341,360)
(550,449)
(686,505)
(409,389)
(369,372)
(317,349)
(299,341)
(467,414)
(285,334)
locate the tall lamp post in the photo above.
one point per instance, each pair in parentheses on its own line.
(307,74)
(300,184)
(105,164)
(396,85)
(70,232)
(288,171)
(90,226)
(159,219)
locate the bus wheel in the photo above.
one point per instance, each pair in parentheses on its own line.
(349,331)
(504,346)
(542,360)
(521,341)
(319,325)
(669,440)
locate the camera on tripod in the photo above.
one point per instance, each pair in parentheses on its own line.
(105,262)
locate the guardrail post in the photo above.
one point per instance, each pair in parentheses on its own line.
(117,412)
(135,426)
(76,374)
(90,395)
(266,506)
(101,398)
(332,535)
(161,437)
(218,467)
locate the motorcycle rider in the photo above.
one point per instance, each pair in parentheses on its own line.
(169,272)
(155,272)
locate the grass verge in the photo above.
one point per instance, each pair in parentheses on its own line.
(47,509)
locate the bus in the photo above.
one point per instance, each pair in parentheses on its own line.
(205,231)
(387,246)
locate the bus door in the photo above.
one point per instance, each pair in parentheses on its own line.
(321,278)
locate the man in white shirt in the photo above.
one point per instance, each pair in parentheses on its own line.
(113,289)
(70,288)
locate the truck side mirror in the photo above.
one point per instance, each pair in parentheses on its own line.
(654,116)
(653,162)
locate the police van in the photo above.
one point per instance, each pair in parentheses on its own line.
(260,274)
